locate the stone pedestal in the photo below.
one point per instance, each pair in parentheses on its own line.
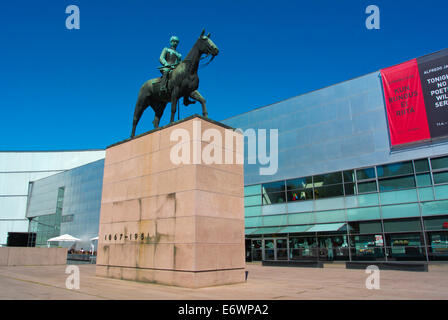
(176,224)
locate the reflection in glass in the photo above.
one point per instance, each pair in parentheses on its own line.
(423,180)
(421,165)
(439,163)
(349,176)
(395,169)
(440,177)
(302,248)
(326,179)
(274,186)
(405,246)
(282,249)
(436,223)
(329,191)
(301,183)
(349,189)
(269,250)
(273,198)
(396,183)
(358,227)
(333,247)
(79,200)
(402,225)
(366,187)
(364,174)
(257,250)
(367,247)
(300,195)
(438,245)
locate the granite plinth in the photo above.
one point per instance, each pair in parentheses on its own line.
(177,224)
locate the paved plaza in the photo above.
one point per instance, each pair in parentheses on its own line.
(331,282)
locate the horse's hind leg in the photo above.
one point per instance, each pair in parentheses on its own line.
(158,110)
(139,108)
(197,96)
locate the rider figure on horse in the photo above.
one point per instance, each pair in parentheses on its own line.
(169,58)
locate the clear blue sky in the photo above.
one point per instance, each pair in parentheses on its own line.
(76,89)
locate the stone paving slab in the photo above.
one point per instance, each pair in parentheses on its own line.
(267,283)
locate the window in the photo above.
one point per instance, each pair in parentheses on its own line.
(439,163)
(349,189)
(395,169)
(273,197)
(303,248)
(436,223)
(301,183)
(349,176)
(365,227)
(300,195)
(403,240)
(329,191)
(364,174)
(274,186)
(402,225)
(396,183)
(405,246)
(367,247)
(365,187)
(438,245)
(423,180)
(274,192)
(440,177)
(327,179)
(421,165)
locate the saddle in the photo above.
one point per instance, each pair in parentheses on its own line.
(157,84)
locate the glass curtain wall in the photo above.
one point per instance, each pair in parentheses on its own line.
(390,212)
(48,226)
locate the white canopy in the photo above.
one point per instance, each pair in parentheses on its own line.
(96,238)
(64,238)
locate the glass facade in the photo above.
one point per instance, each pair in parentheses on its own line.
(49,225)
(389,212)
(67,203)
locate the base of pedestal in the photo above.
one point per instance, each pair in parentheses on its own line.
(188,279)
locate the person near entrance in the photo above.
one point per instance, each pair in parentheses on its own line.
(329,245)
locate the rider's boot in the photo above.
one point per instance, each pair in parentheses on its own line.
(164,83)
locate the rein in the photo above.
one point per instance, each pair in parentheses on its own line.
(208,62)
(202,58)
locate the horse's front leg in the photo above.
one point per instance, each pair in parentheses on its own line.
(187,101)
(174,99)
(197,96)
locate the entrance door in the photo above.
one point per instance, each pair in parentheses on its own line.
(257,252)
(281,249)
(275,249)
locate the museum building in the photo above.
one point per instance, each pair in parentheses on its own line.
(17,171)
(342,190)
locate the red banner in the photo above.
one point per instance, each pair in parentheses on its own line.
(405,104)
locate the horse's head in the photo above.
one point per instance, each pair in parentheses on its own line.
(206,45)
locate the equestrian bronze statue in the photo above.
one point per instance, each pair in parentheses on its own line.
(183,81)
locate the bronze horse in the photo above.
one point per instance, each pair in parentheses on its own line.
(183,82)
